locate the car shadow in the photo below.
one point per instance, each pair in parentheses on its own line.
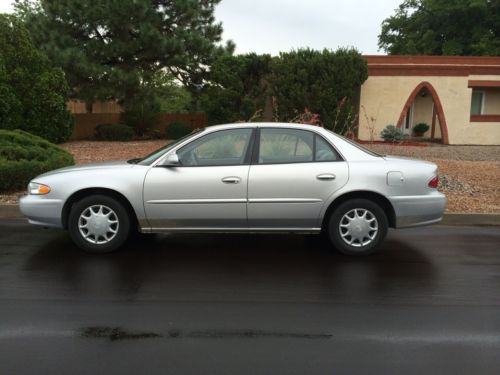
(233,266)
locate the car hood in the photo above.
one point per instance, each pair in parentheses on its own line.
(93,166)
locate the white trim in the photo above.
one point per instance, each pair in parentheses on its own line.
(409,129)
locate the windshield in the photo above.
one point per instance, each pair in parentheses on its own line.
(148,159)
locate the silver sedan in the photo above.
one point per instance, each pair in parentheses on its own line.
(252,177)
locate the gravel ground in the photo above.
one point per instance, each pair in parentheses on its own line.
(470,175)
(438,151)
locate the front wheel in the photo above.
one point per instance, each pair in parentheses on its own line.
(357,227)
(98,224)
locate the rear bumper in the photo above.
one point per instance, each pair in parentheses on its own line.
(42,211)
(413,211)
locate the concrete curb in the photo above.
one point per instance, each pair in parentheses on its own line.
(470,219)
(11,211)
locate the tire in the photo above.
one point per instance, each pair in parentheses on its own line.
(107,227)
(361,222)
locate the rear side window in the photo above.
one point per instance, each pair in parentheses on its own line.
(324,151)
(285,146)
(277,146)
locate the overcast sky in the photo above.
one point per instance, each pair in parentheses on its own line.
(271,26)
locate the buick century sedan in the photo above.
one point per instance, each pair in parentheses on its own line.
(251,177)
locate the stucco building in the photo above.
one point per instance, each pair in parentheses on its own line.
(458,97)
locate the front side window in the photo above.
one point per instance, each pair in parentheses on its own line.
(226,147)
(293,146)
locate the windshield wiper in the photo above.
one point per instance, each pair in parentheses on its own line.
(134,161)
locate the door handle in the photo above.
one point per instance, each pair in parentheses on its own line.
(231,180)
(326,176)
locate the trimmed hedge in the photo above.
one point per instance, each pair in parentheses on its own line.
(24,156)
(114,132)
(176,130)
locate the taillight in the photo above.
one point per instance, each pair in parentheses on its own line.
(434,182)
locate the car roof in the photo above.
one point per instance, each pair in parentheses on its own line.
(264,124)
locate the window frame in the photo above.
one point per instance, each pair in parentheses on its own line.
(483,101)
(248,154)
(256,146)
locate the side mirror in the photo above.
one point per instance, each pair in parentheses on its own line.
(172,160)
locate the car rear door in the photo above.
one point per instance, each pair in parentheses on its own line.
(292,176)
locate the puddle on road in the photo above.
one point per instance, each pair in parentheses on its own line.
(117,334)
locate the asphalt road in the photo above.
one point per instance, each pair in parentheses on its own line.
(250,304)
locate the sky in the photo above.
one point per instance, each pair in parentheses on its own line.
(273,26)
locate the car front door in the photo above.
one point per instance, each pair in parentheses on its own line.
(294,174)
(208,189)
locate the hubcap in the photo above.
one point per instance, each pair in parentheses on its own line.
(98,224)
(358,227)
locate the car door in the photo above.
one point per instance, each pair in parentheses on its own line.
(208,189)
(291,178)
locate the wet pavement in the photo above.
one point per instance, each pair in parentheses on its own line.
(251,304)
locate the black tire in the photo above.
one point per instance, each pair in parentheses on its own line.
(357,248)
(122,229)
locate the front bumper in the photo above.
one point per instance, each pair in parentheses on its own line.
(41,210)
(413,211)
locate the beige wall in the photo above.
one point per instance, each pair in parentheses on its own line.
(383,98)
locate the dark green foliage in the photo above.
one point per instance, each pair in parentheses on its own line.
(437,27)
(420,128)
(170,95)
(114,132)
(24,156)
(141,112)
(176,130)
(318,81)
(392,134)
(33,94)
(109,49)
(237,87)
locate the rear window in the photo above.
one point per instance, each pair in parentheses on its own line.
(357,145)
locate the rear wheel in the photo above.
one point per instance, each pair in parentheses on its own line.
(98,224)
(357,227)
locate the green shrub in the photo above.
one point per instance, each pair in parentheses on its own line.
(176,130)
(420,128)
(141,112)
(33,92)
(392,134)
(114,132)
(24,156)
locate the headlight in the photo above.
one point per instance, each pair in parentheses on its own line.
(38,189)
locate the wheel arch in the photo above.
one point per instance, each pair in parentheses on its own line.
(378,198)
(80,194)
